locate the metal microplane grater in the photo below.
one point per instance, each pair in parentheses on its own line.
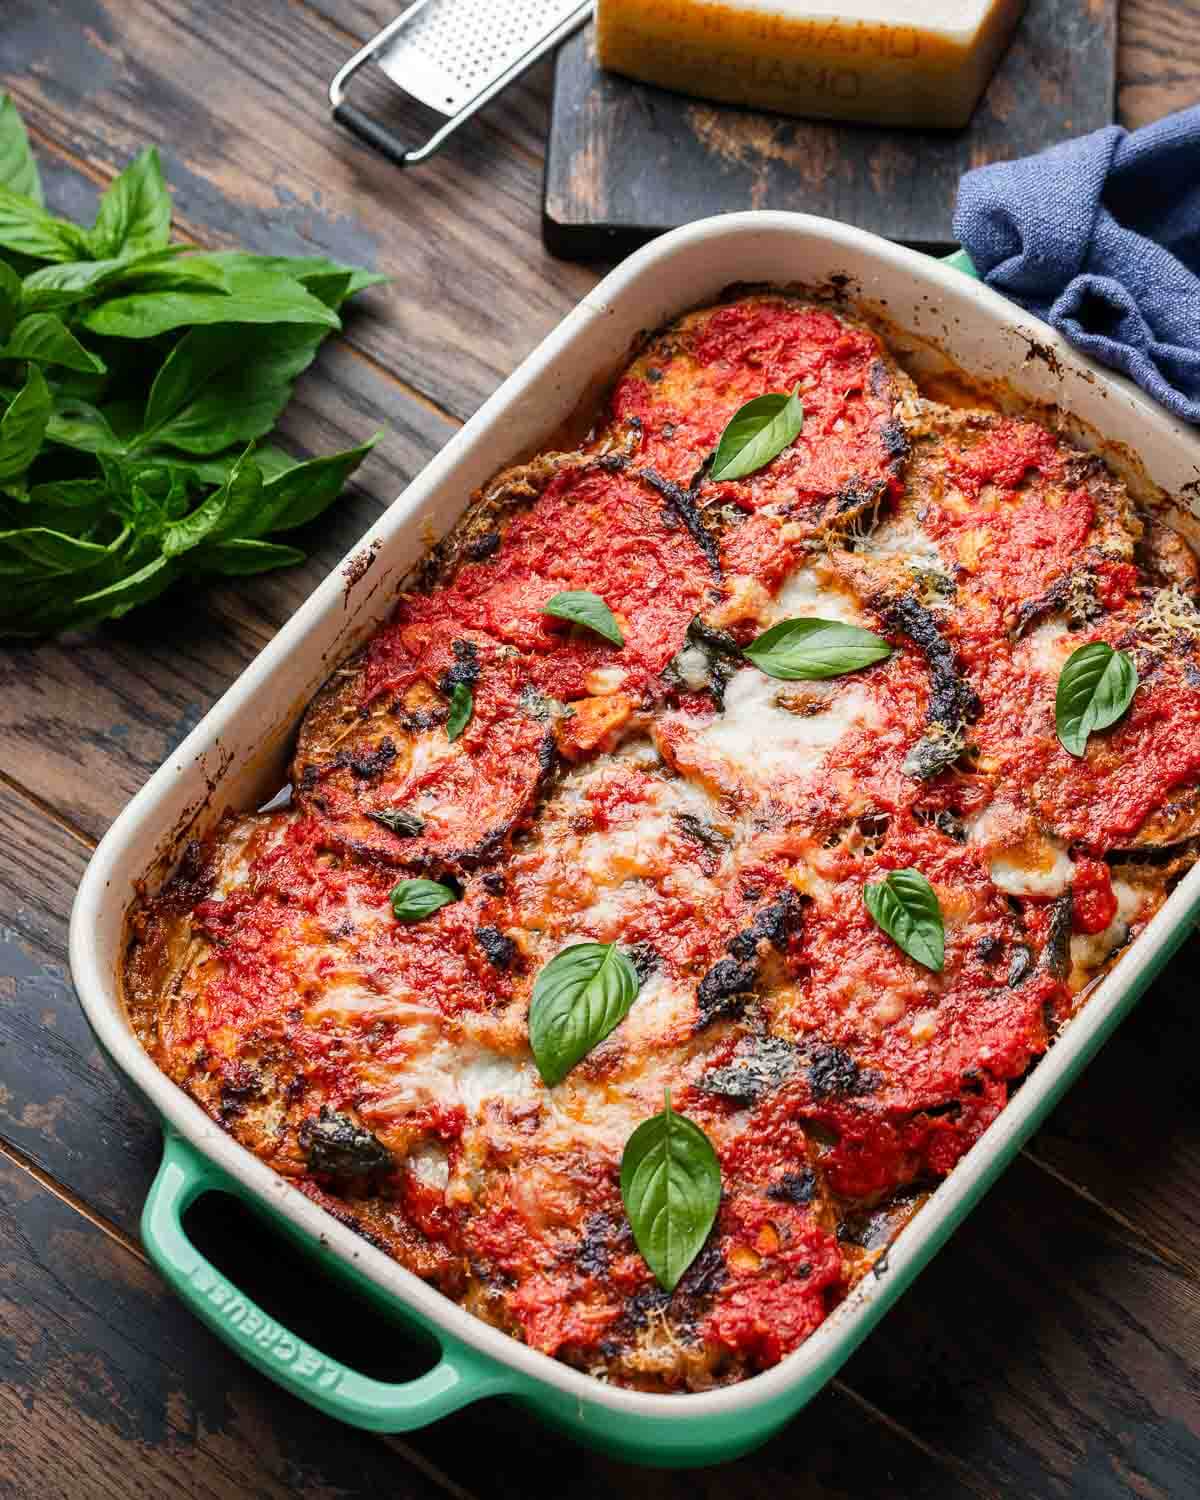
(453,56)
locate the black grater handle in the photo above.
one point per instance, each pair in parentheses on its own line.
(372,132)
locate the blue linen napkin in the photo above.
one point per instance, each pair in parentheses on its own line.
(1101,237)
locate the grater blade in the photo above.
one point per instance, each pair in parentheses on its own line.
(453,50)
(453,56)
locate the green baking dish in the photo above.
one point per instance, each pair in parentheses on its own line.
(235,756)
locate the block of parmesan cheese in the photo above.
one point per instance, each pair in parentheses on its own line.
(894,62)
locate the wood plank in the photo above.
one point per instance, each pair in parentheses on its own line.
(60,1103)
(71,1117)
(1158,60)
(1050,1350)
(627,161)
(1128,1134)
(235,97)
(111,1390)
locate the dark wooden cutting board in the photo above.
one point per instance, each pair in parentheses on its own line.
(627,161)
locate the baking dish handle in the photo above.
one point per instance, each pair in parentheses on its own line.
(461,1375)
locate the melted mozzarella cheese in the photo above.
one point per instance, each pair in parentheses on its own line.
(440,1071)
(1023,860)
(1090,950)
(693,667)
(1044,872)
(762,741)
(808,593)
(1048,646)
(900,537)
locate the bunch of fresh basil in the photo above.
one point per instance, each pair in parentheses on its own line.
(136,379)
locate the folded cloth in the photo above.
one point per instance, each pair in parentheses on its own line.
(1101,237)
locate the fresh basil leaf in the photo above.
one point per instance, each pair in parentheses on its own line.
(303,491)
(77,424)
(75,506)
(39,608)
(332,288)
(45,339)
(127,593)
(135,211)
(239,557)
(70,494)
(253,297)
(10,298)
(671,1188)
(1095,687)
(757,433)
(808,650)
(167,270)
(225,384)
(414,900)
(52,288)
(271,459)
(578,998)
(23,426)
(28,229)
(584,608)
(55,552)
(310,270)
(906,906)
(18,170)
(227,512)
(462,706)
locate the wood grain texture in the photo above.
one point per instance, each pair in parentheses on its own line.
(1052,1349)
(627,161)
(1158,60)
(110,1389)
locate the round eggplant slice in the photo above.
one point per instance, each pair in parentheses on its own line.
(389,782)
(1137,786)
(1000,524)
(676,399)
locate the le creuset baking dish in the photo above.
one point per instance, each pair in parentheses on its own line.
(235,757)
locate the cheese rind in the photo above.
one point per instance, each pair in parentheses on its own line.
(892,62)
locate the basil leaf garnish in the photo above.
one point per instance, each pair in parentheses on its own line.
(906,906)
(581,994)
(1095,687)
(671,1188)
(462,706)
(805,650)
(584,608)
(413,900)
(757,433)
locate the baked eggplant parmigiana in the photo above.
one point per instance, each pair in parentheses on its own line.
(520,783)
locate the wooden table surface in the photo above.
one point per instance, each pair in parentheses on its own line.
(1053,1349)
